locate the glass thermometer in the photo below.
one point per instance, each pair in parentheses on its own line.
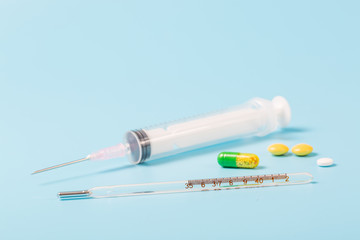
(197,185)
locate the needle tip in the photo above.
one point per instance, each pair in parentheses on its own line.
(36,172)
(61,165)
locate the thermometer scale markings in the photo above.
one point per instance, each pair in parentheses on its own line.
(197,185)
(231,180)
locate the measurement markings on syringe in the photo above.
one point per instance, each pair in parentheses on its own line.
(229,181)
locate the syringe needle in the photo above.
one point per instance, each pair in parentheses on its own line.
(117,151)
(62,165)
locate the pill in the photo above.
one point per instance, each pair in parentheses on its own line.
(238,160)
(302,149)
(278,149)
(325,162)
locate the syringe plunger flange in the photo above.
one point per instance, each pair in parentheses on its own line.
(139,145)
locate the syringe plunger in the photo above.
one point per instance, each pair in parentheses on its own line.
(257,117)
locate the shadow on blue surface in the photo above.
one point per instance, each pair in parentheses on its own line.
(334,165)
(288,154)
(215,148)
(313,154)
(89,174)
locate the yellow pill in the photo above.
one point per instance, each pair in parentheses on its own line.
(302,149)
(278,149)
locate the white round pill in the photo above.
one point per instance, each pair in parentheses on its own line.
(324,162)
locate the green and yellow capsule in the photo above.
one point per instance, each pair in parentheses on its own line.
(238,160)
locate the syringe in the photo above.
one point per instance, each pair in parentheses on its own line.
(257,117)
(198,185)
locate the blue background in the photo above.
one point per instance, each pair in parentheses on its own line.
(75,75)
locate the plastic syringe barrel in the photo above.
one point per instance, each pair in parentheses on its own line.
(257,117)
